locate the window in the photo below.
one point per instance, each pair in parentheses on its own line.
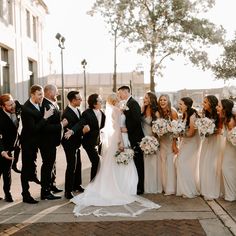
(28,23)
(6,11)
(31,72)
(34,29)
(4,71)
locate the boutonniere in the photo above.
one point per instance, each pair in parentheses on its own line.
(123,106)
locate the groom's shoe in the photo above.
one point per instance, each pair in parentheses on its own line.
(79,189)
(139,192)
(68,195)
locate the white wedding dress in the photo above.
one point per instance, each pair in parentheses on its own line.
(112,192)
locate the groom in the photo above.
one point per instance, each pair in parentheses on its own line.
(135,133)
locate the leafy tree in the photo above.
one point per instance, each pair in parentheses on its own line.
(225,67)
(163,28)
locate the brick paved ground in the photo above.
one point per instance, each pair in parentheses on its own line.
(160,227)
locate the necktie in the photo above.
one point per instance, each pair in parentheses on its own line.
(14,119)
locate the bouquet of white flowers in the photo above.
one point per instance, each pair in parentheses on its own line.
(161,126)
(178,127)
(231,136)
(149,145)
(205,126)
(124,157)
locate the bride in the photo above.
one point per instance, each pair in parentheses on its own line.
(112,192)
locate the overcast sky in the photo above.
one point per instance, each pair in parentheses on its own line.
(87,37)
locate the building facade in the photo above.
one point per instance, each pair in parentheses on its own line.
(101,83)
(23,58)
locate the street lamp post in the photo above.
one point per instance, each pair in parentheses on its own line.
(61,45)
(84,63)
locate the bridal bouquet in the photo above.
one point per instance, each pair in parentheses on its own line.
(149,145)
(232,136)
(177,127)
(205,126)
(124,157)
(161,126)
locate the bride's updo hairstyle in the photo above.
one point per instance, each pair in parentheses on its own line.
(112,99)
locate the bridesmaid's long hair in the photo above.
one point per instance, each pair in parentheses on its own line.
(227,105)
(188,102)
(167,114)
(153,105)
(213,101)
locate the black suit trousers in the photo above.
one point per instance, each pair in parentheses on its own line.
(28,171)
(92,152)
(5,171)
(139,163)
(48,159)
(73,170)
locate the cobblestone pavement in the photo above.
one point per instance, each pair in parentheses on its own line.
(160,227)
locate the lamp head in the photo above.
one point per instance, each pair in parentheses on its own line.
(58,36)
(83,62)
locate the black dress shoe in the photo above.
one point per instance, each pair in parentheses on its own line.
(8,198)
(68,195)
(49,196)
(79,189)
(139,192)
(15,169)
(54,189)
(29,200)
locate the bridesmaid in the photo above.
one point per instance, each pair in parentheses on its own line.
(188,158)
(224,109)
(211,153)
(168,147)
(152,166)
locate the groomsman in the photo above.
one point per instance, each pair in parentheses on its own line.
(51,138)
(95,119)
(135,133)
(73,175)
(8,135)
(33,120)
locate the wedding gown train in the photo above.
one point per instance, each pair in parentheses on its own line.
(112,192)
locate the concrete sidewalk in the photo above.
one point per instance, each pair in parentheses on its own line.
(183,216)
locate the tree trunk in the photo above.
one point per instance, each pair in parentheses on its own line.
(152,70)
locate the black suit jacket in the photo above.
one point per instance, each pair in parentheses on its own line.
(51,132)
(33,123)
(133,122)
(92,138)
(8,132)
(75,140)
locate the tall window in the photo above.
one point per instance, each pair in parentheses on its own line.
(28,23)
(34,29)
(6,11)
(31,72)
(4,71)
(31,26)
